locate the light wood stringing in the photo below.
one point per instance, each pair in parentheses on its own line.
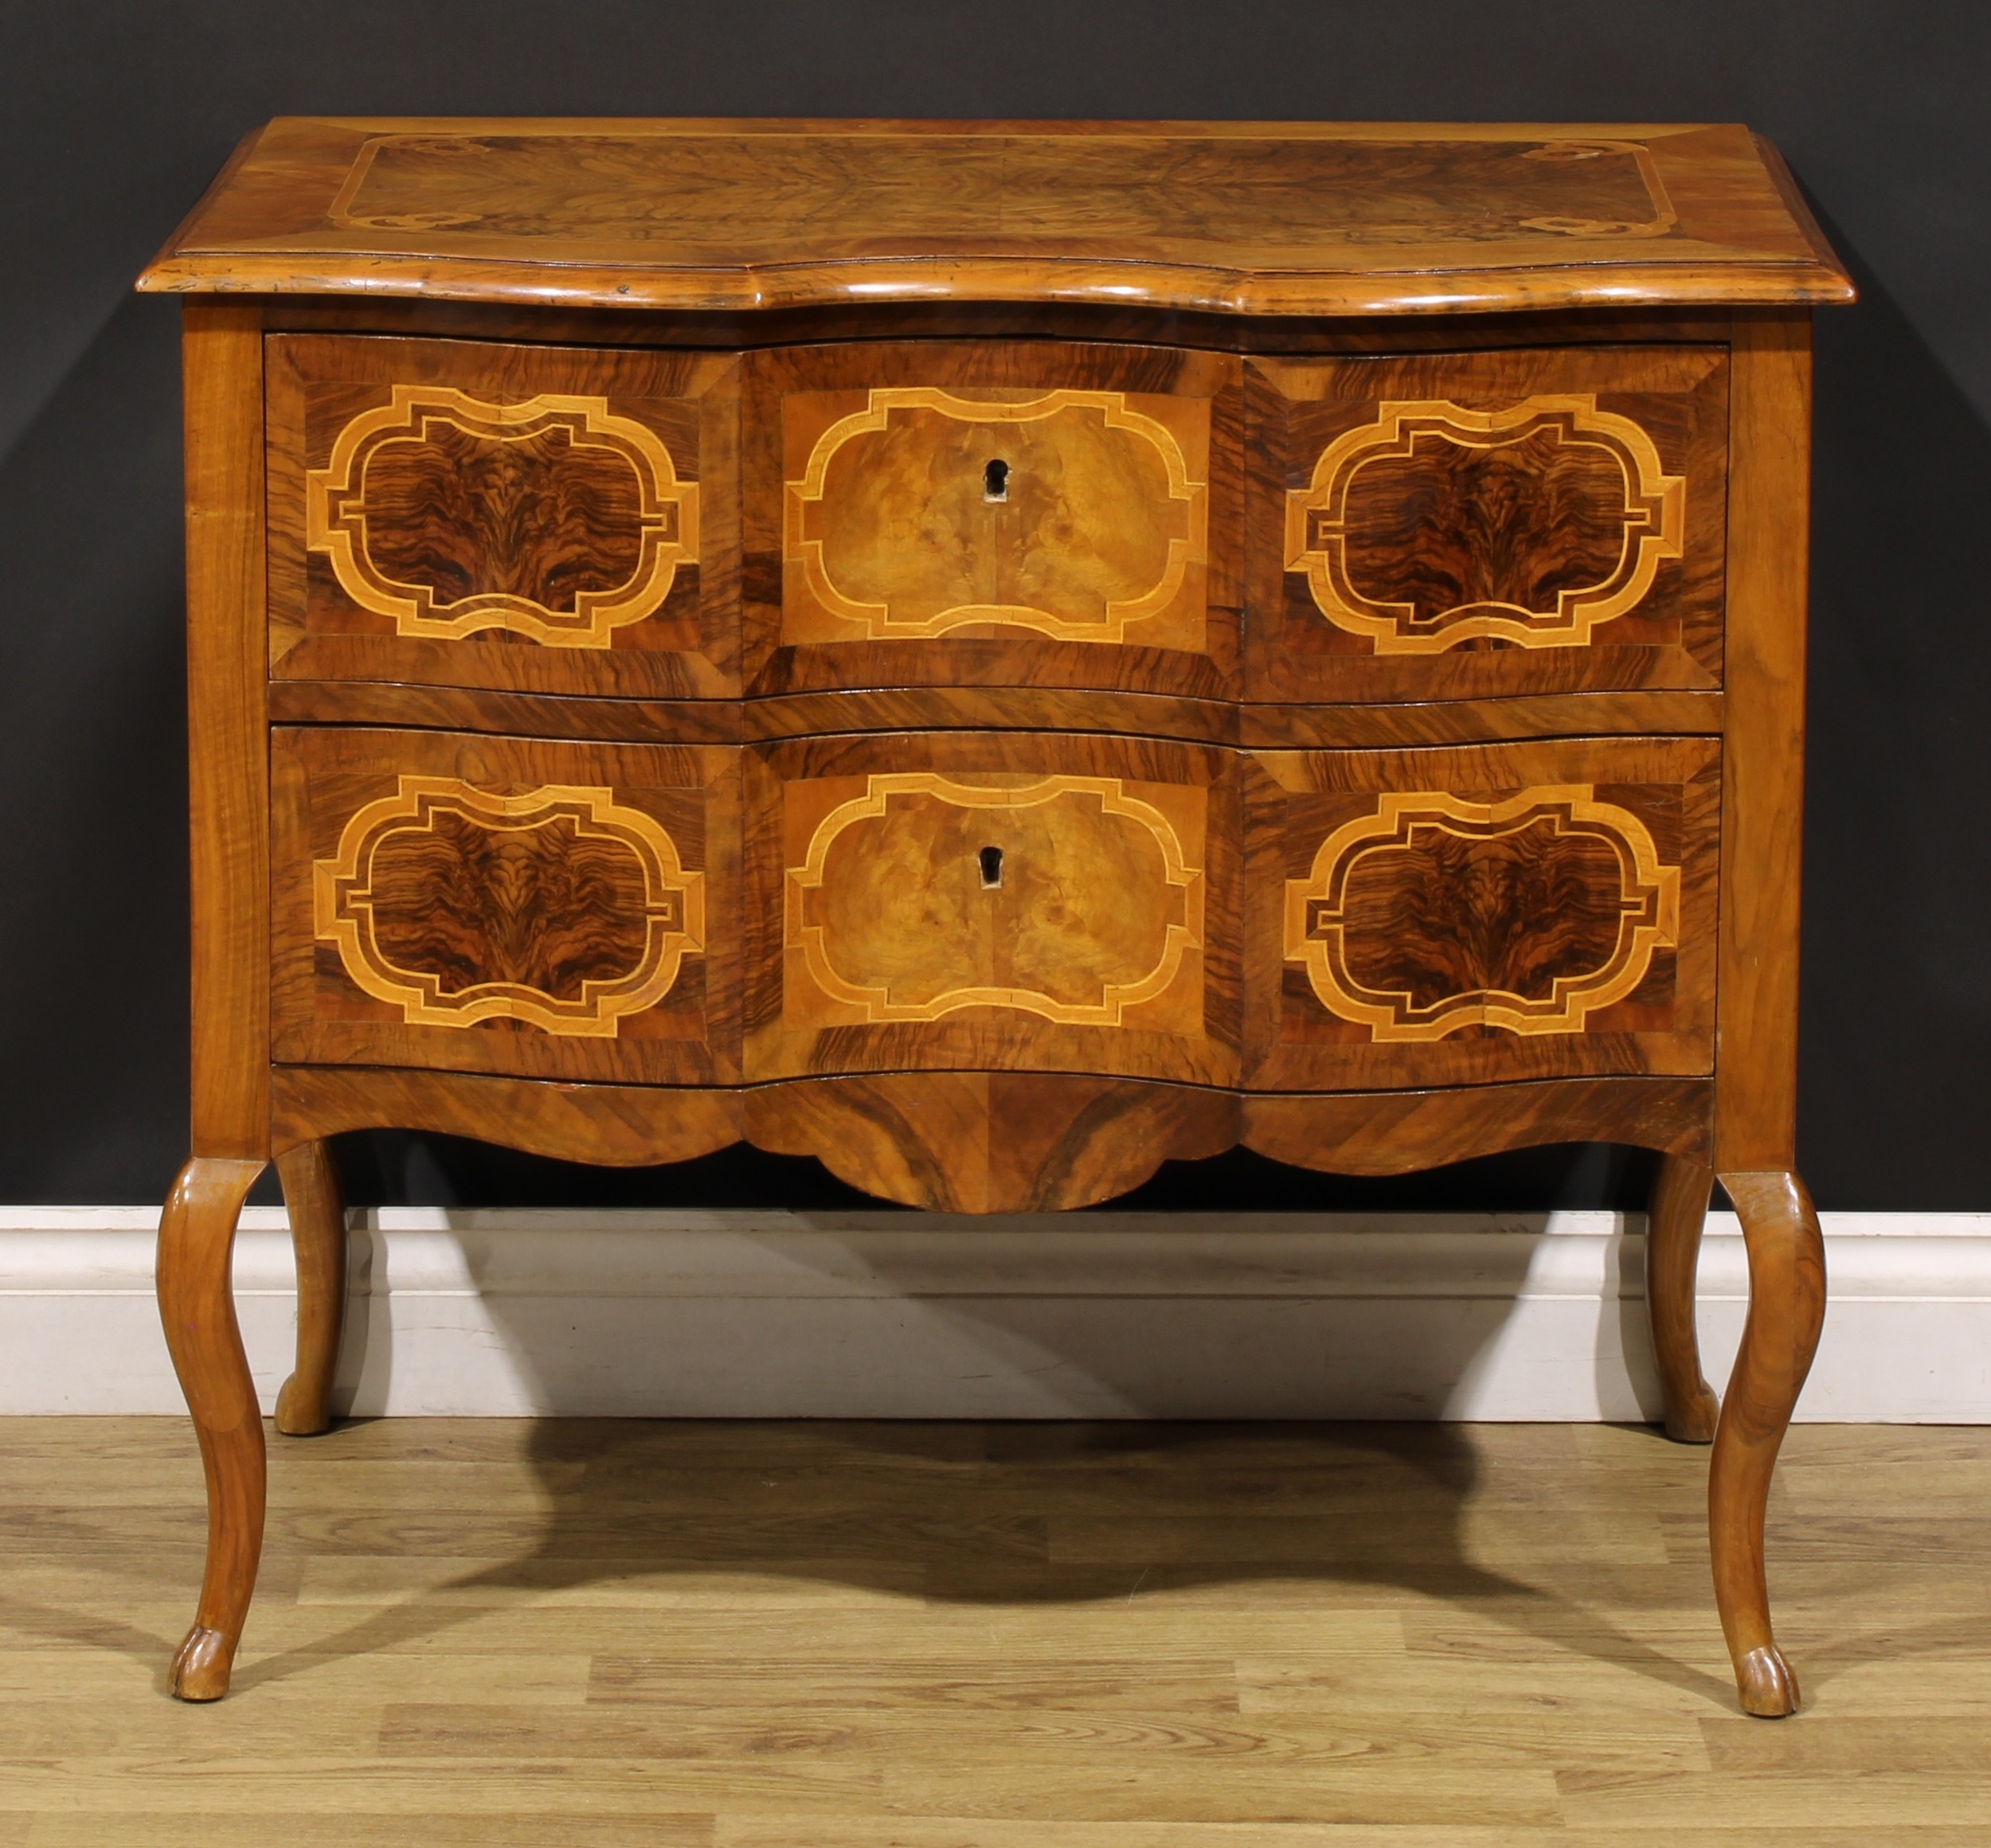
(345,902)
(1317,926)
(1317,523)
(335,515)
(1080,820)
(985,558)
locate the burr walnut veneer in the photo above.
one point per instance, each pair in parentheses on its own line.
(995,655)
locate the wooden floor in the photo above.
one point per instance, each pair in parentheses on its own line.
(743,1635)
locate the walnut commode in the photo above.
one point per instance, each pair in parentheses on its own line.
(997,654)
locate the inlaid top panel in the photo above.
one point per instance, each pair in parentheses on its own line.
(1245,217)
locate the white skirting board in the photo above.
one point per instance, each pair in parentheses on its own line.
(1495,1316)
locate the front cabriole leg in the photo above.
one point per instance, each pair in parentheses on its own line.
(197,1242)
(1786,1310)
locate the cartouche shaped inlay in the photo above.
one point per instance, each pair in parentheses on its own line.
(1068,897)
(556,519)
(1436,913)
(1071,514)
(1433,524)
(559,906)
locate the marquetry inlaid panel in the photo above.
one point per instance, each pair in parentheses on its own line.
(502,904)
(1436,913)
(557,906)
(537,518)
(998,514)
(926,894)
(1531,525)
(555,519)
(732,193)
(1476,524)
(1070,513)
(1509,911)
(964,900)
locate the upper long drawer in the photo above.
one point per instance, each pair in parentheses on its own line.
(1467,525)
(997,513)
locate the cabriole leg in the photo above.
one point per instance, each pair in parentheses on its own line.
(197,1241)
(1673,1226)
(317,1213)
(1786,1310)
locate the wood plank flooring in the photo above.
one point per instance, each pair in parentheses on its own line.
(814,1635)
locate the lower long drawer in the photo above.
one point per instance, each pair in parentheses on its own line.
(1060,902)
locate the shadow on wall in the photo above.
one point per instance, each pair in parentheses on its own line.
(1055,1316)
(867,1314)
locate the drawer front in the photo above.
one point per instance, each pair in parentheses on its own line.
(1462,526)
(1482,913)
(968,513)
(542,519)
(498,904)
(969,901)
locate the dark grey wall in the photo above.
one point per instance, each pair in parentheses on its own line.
(114,113)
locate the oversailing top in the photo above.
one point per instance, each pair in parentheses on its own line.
(1255,218)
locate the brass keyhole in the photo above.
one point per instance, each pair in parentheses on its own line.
(995,481)
(991,860)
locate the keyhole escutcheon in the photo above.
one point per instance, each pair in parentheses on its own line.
(995,481)
(991,860)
